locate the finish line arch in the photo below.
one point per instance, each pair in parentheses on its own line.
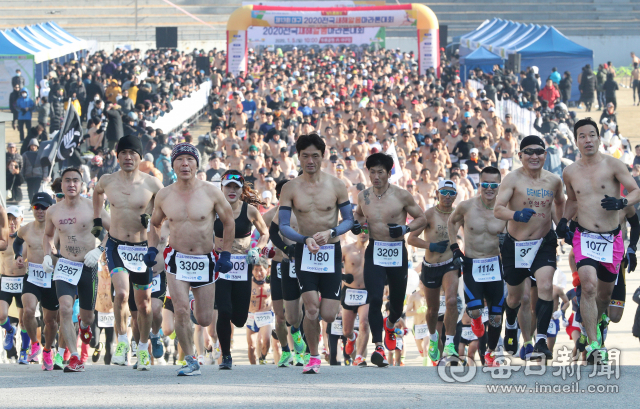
(403,15)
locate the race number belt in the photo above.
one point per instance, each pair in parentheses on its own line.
(485,270)
(387,253)
(192,268)
(38,277)
(239,270)
(12,285)
(132,258)
(68,271)
(321,262)
(526,252)
(354,297)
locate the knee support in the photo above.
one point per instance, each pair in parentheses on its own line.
(495,321)
(474,313)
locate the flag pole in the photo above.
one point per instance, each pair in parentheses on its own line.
(64,121)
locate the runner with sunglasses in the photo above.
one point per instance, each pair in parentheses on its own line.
(481,265)
(76,271)
(191,206)
(37,286)
(130,193)
(384,207)
(439,270)
(316,198)
(593,189)
(525,201)
(233,289)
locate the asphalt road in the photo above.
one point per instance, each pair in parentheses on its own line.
(266,386)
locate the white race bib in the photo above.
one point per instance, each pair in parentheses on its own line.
(292,270)
(106,319)
(356,323)
(355,297)
(467,333)
(68,271)
(131,257)
(192,268)
(38,277)
(336,328)
(156,284)
(485,314)
(250,320)
(597,246)
(420,331)
(443,305)
(552,330)
(387,253)
(12,285)
(239,270)
(525,252)
(486,269)
(321,262)
(278,270)
(263,318)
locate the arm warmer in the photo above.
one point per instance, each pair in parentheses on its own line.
(634,234)
(274,235)
(347,218)
(17,245)
(285,227)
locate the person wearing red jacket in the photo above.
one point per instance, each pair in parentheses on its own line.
(549,93)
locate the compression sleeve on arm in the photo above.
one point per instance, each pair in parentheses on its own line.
(274,235)
(634,234)
(347,218)
(18,241)
(285,227)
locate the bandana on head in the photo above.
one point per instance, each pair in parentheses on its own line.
(185,149)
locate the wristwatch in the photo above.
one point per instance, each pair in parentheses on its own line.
(624,201)
(101,248)
(333,233)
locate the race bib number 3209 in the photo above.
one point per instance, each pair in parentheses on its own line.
(321,262)
(192,268)
(387,253)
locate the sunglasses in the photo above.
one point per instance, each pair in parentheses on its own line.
(536,151)
(486,185)
(39,207)
(447,192)
(232,176)
(60,195)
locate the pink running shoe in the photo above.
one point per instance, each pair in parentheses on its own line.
(47,360)
(35,352)
(312,367)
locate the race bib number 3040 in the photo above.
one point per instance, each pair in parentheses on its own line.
(387,253)
(192,268)
(321,262)
(68,271)
(131,257)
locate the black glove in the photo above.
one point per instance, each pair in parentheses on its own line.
(150,257)
(144,219)
(632,261)
(439,247)
(397,230)
(563,232)
(97,227)
(347,278)
(524,215)
(611,203)
(457,255)
(357,228)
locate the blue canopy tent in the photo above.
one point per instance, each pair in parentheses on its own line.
(480,58)
(31,49)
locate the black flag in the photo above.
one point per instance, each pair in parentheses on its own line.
(70,136)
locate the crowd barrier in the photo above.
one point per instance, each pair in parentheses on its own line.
(184,110)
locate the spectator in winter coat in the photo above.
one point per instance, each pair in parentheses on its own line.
(163,164)
(25,106)
(57,110)
(549,93)
(32,171)
(14,181)
(18,79)
(13,98)
(530,84)
(112,92)
(126,103)
(565,87)
(587,87)
(114,128)
(146,166)
(610,87)
(44,110)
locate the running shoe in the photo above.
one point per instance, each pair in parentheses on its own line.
(592,350)
(313,367)
(200,360)
(97,352)
(351,345)
(450,350)
(299,359)
(477,326)
(84,352)
(34,352)
(490,359)
(284,360)
(379,358)
(74,365)
(58,364)
(542,348)
(511,341)
(134,349)
(298,343)
(180,363)
(120,357)
(23,359)
(191,367)
(66,356)
(217,352)
(227,362)
(425,361)
(9,338)
(262,361)
(85,334)
(135,366)
(389,336)
(144,363)
(526,351)
(47,361)
(582,342)
(434,351)
(359,361)
(157,348)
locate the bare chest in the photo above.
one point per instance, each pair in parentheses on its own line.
(132,197)
(195,206)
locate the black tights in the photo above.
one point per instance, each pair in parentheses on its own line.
(232,302)
(108,333)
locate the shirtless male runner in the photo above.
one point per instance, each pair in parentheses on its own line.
(481,265)
(354,300)
(191,206)
(417,308)
(130,193)
(593,190)
(11,285)
(76,272)
(525,201)
(383,208)
(37,286)
(438,269)
(316,198)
